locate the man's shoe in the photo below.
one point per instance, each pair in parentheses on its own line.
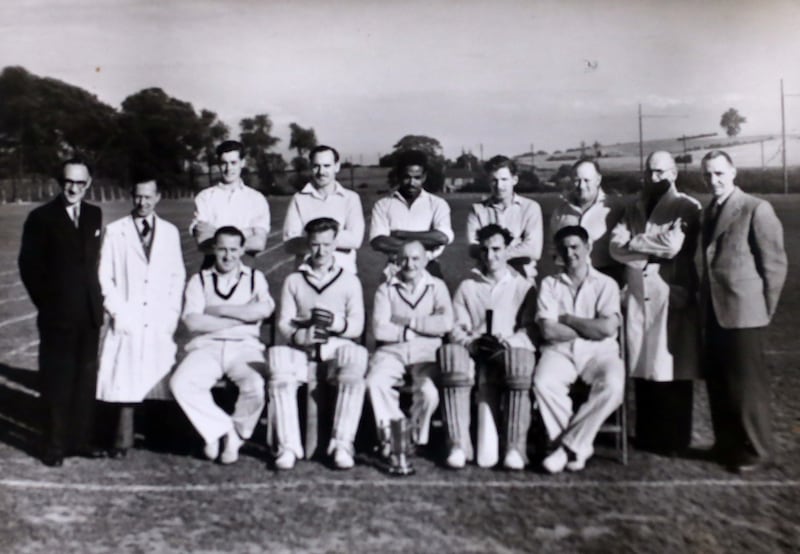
(285,460)
(456,459)
(513,461)
(52,459)
(747,464)
(342,459)
(556,462)
(117,453)
(91,452)
(577,463)
(233,442)
(211,450)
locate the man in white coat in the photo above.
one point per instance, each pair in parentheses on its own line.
(142,276)
(656,239)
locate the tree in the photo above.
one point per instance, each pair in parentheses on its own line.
(304,140)
(732,121)
(257,140)
(467,160)
(165,135)
(43,121)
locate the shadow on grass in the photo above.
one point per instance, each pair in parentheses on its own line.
(20,419)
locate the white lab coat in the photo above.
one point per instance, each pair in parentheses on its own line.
(144,297)
(661,311)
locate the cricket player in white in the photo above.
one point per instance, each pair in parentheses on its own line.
(322,312)
(324,196)
(501,349)
(223,310)
(579,316)
(411,314)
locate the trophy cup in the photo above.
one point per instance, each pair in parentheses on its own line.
(400,447)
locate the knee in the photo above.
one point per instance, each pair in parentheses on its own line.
(455,366)
(351,364)
(429,393)
(252,385)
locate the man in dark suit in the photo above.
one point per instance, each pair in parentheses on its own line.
(58,265)
(744,269)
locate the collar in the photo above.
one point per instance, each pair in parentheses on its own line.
(479,275)
(490,203)
(235,274)
(600,199)
(236,187)
(721,201)
(395,281)
(308,269)
(150,219)
(564,277)
(311,190)
(423,194)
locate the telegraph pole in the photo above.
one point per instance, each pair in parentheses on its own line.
(641,144)
(783,145)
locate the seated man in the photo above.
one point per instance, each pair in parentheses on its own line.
(494,312)
(322,312)
(412,313)
(223,310)
(579,315)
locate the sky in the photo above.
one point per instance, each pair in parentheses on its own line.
(502,74)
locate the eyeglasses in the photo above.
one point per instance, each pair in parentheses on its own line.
(79,184)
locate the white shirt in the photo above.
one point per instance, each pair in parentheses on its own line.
(237,205)
(598,220)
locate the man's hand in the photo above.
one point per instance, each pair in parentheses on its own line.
(486,347)
(122,324)
(402,321)
(310,336)
(204,230)
(322,318)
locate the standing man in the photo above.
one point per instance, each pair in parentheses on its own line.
(411,213)
(142,278)
(230,202)
(494,312)
(322,314)
(586,204)
(579,314)
(223,310)
(656,239)
(521,216)
(744,269)
(411,315)
(324,196)
(58,265)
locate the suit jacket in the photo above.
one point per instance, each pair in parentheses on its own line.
(58,265)
(143,298)
(744,262)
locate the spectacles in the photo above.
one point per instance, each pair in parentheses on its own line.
(79,184)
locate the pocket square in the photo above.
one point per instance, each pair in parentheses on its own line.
(97,232)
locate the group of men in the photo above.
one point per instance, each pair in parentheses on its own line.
(500,334)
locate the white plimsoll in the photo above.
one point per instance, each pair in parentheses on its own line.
(456,459)
(285,460)
(556,461)
(233,442)
(211,450)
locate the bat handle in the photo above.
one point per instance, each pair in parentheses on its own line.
(489,318)
(317,352)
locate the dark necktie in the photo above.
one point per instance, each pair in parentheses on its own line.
(145,230)
(147,237)
(711,222)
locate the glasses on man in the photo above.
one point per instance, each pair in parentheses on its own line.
(79,184)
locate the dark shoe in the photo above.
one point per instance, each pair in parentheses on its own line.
(746,464)
(52,459)
(117,453)
(91,452)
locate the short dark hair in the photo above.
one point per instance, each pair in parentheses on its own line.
(75,160)
(142,180)
(499,162)
(717,154)
(323,148)
(589,161)
(571,231)
(230,146)
(320,225)
(487,232)
(408,158)
(230,231)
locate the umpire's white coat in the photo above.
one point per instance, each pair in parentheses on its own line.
(148,295)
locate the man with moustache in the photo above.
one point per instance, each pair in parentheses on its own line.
(656,240)
(520,215)
(142,278)
(230,202)
(58,266)
(744,270)
(586,204)
(324,196)
(411,213)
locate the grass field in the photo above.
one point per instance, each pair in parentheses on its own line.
(163,498)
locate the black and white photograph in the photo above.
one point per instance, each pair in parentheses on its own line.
(425,276)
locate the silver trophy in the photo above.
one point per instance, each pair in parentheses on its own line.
(399,447)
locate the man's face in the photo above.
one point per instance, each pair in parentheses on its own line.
(494,253)
(412,260)
(660,173)
(573,252)
(412,177)
(321,247)
(324,168)
(228,250)
(145,198)
(718,175)
(585,184)
(502,183)
(230,165)
(75,182)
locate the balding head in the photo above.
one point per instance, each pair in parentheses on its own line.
(660,172)
(585,183)
(412,260)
